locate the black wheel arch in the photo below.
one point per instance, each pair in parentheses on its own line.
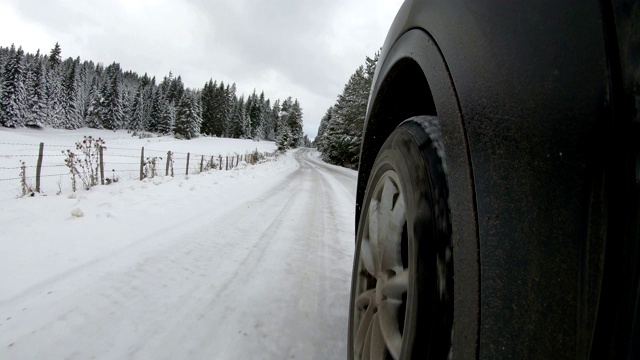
(412,79)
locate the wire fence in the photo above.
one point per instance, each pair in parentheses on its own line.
(24,166)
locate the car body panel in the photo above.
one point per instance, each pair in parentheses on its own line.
(525,130)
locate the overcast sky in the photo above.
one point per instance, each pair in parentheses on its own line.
(306,49)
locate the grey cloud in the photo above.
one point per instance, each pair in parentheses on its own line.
(302,48)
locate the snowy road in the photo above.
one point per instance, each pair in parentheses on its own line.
(264,274)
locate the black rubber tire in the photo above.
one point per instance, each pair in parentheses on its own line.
(413,152)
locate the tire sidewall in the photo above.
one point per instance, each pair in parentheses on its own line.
(410,152)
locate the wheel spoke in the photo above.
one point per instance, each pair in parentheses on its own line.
(389,326)
(366,302)
(377,347)
(399,213)
(396,286)
(367,257)
(388,196)
(388,199)
(392,219)
(374,236)
(366,299)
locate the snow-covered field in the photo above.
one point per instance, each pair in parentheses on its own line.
(253,262)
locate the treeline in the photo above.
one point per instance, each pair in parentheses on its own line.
(44,90)
(340,132)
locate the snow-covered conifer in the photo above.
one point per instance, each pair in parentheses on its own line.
(13,102)
(188,120)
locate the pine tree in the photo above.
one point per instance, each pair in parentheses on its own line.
(39,93)
(340,133)
(149,92)
(112,100)
(259,132)
(54,56)
(167,117)
(55,93)
(285,113)
(208,101)
(267,122)
(306,142)
(155,113)
(239,121)
(29,81)
(13,103)
(290,125)
(321,142)
(140,108)
(188,120)
(222,110)
(136,114)
(254,112)
(197,113)
(275,120)
(230,102)
(176,90)
(83,85)
(4,55)
(94,110)
(295,124)
(283,140)
(72,108)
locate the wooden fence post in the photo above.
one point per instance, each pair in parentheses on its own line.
(220,162)
(237,159)
(201,162)
(142,163)
(226,167)
(211,164)
(100,151)
(166,171)
(188,154)
(39,166)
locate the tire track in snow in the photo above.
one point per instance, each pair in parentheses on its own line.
(267,279)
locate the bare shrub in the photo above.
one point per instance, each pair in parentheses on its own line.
(85,167)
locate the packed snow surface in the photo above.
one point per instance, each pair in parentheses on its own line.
(250,263)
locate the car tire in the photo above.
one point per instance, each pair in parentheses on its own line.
(402,284)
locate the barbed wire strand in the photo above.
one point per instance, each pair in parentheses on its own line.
(59,146)
(120,148)
(54,175)
(123,155)
(19,144)
(30,167)
(26,155)
(178,160)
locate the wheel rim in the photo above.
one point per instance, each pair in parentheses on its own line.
(382,280)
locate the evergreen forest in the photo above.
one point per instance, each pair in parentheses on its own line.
(340,131)
(45,91)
